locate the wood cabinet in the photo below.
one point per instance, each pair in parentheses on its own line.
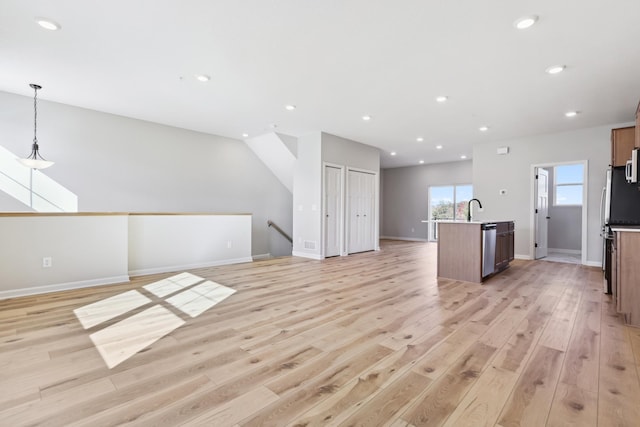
(625,275)
(502,248)
(460,251)
(511,241)
(505,232)
(623,140)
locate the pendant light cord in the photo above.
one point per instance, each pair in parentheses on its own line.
(35,116)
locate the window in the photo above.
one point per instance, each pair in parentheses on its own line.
(568,180)
(448,203)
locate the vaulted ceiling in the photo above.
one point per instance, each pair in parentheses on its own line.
(335,61)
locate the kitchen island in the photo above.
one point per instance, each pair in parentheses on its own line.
(474,251)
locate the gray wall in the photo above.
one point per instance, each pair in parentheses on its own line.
(405,195)
(315,149)
(349,153)
(565,223)
(513,172)
(120,164)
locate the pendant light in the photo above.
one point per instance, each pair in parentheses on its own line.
(35,160)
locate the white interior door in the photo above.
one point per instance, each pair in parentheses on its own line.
(353,192)
(361,196)
(333,207)
(542,212)
(367,198)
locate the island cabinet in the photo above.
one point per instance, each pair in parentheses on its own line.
(463,249)
(505,232)
(625,273)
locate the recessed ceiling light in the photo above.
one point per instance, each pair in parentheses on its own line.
(366,118)
(483,128)
(555,69)
(203,77)
(442,98)
(290,107)
(421,162)
(438,147)
(48,24)
(463,157)
(419,139)
(393,153)
(571,113)
(245,135)
(525,22)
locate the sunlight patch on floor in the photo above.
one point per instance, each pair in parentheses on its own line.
(120,341)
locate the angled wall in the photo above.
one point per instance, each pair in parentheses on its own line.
(276,154)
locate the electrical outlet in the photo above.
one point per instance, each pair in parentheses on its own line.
(228,244)
(47,262)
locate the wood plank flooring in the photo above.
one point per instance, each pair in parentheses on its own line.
(371,339)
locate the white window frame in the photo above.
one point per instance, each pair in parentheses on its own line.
(432,237)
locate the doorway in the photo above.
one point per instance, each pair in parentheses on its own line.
(333,212)
(558,217)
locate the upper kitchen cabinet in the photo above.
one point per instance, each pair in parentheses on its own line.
(623,140)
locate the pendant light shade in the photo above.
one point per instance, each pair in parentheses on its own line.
(35,160)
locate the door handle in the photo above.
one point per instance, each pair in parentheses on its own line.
(548,217)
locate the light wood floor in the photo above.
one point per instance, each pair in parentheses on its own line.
(369,339)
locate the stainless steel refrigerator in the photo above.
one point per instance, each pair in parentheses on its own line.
(620,205)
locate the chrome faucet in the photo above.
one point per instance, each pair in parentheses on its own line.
(469,208)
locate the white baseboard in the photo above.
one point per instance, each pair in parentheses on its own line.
(593,264)
(168,269)
(14,293)
(408,239)
(306,255)
(565,251)
(261,256)
(525,257)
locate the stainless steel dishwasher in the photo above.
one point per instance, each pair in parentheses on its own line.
(488,249)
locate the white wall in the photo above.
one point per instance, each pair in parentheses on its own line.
(492,172)
(405,200)
(120,164)
(161,243)
(307,196)
(85,250)
(97,249)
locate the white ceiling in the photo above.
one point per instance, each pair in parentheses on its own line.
(336,60)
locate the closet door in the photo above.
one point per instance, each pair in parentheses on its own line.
(367,200)
(333,209)
(361,196)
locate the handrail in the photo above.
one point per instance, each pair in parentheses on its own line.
(279,230)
